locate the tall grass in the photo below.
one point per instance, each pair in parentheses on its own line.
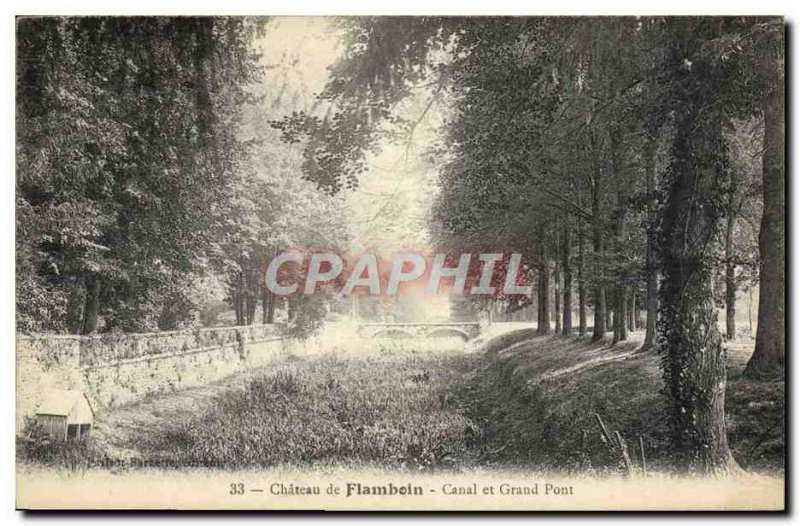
(388,408)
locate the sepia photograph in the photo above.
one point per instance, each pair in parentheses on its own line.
(400,263)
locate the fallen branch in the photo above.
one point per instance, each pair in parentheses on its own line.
(623,449)
(615,443)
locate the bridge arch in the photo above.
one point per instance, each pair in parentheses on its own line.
(393,333)
(448,332)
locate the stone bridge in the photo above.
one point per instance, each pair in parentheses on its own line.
(463,330)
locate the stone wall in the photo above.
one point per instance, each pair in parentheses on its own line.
(115,369)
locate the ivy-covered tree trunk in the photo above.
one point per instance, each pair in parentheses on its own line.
(769,356)
(693,359)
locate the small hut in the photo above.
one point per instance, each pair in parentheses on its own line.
(65,414)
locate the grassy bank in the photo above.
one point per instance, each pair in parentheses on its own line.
(516,402)
(385,408)
(535,401)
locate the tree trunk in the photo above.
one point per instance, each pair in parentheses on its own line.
(539,311)
(600,314)
(620,315)
(251,307)
(544,304)
(76,304)
(621,294)
(768,357)
(581,283)
(632,311)
(730,278)
(651,265)
(271,308)
(269,297)
(693,363)
(264,305)
(239,300)
(565,252)
(730,259)
(92,304)
(637,316)
(557,293)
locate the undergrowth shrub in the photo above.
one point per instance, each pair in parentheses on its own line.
(36,446)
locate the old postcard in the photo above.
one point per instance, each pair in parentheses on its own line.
(400,263)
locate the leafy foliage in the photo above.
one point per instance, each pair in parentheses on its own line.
(127,162)
(615,128)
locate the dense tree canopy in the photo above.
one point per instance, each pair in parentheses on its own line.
(127,163)
(148,176)
(618,138)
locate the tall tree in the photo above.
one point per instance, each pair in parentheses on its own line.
(694,365)
(651,265)
(128,161)
(566,247)
(769,356)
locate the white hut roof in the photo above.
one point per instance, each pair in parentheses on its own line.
(61,402)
